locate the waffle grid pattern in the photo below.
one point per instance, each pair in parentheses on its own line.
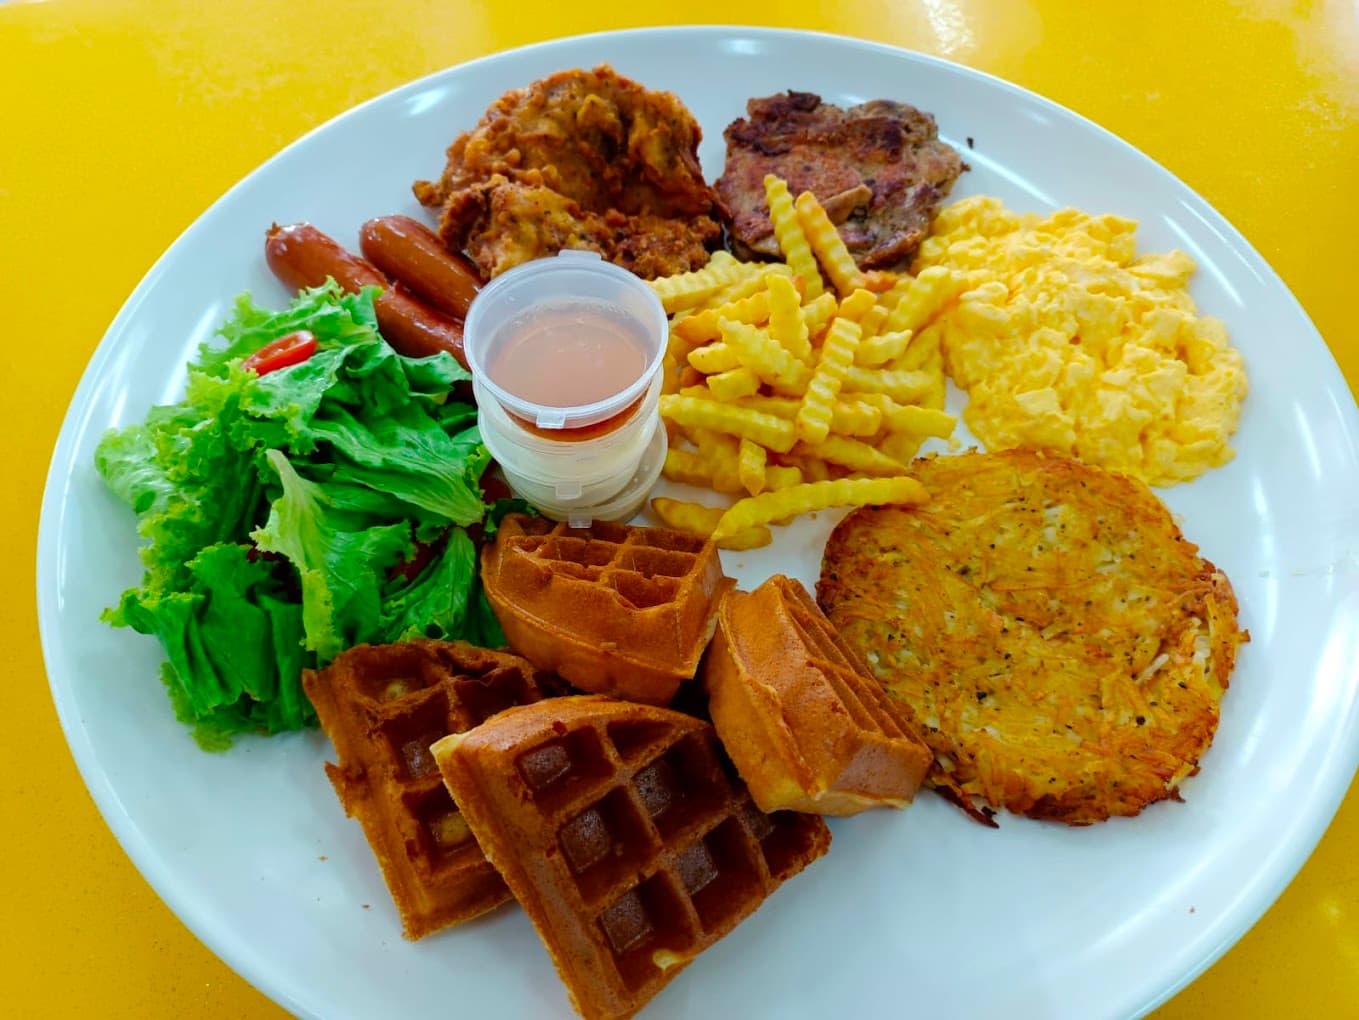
(651,851)
(383,707)
(613,609)
(863,699)
(644,567)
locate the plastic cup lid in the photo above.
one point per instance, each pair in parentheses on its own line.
(567,279)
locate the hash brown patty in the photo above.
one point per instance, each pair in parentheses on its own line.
(1063,648)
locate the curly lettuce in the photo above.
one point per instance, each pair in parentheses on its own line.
(280,513)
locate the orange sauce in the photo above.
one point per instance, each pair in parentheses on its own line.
(569,356)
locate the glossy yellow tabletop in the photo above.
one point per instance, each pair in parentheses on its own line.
(121,122)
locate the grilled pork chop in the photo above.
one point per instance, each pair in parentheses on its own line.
(878,169)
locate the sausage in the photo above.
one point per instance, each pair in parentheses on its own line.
(302,256)
(415,329)
(408,251)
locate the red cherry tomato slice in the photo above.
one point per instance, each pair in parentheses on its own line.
(289,349)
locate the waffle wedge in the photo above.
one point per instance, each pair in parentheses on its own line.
(619,831)
(614,609)
(382,707)
(806,725)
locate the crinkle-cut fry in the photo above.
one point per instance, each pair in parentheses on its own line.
(813,469)
(797,252)
(750,538)
(889,299)
(849,417)
(671,362)
(924,296)
(715,357)
(751,284)
(813,420)
(687,290)
(765,357)
(827,245)
(750,468)
(781,476)
(853,454)
(880,281)
(702,326)
(786,325)
(686,467)
(675,346)
(670,375)
(818,312)
(766,429)
(690,468)
(784,407)
(697,519)
(901,446)
(734,384)
(880,349)
(689,376)
(857,305)
(872,321)
(718,450)
(923,347)
(852,417)
(902,385)
(754,511)
(920,422)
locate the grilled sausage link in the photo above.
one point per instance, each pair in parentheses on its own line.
(302,256)
(408,251)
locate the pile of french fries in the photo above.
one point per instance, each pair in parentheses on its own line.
(794,392)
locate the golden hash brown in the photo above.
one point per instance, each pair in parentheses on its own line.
(1063,649)
(581,159)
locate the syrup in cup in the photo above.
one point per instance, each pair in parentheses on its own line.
(565,354)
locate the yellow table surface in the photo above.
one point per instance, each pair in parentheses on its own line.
(121,122)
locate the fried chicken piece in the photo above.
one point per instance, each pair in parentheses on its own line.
(878,169)
(581,159)
(503,223)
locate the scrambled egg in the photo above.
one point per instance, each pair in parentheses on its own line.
(1066,341)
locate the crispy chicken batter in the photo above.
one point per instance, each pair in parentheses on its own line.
(1063,649)
(581,159)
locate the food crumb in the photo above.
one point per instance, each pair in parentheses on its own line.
(323,857)
(1191,910)
(969,141)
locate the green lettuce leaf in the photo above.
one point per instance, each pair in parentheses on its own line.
(337,468)
(341,562)
(225,637)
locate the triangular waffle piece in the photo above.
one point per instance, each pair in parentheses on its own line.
(382,707)
(621,834)
(806,725)
(614,609)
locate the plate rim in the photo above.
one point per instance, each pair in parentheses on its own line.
(1265,887)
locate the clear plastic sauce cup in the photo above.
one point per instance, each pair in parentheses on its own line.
(565,354)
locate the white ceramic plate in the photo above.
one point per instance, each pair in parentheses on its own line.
(919,910)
